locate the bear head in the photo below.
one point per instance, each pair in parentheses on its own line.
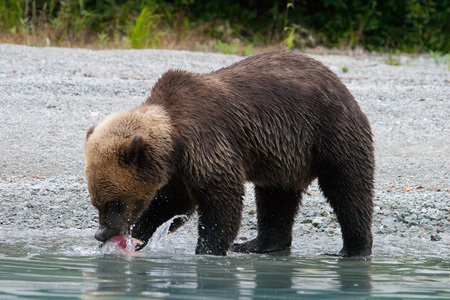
(126,162)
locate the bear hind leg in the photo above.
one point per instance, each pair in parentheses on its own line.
(351,199)
(276,210)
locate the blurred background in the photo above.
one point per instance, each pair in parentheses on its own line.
(230,26)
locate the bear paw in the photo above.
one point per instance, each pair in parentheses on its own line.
(363,253)
(202,249)
(259,246)
(356,252)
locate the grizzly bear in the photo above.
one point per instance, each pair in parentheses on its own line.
(278,120)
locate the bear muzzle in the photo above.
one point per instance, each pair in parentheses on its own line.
(104,233)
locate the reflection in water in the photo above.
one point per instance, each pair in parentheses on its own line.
(185,276)
(216,278)
(251,277)
(354,276)
(276,275)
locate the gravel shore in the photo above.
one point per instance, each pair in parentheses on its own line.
(50,96)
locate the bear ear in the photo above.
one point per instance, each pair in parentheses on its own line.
(134,151)
(90,131)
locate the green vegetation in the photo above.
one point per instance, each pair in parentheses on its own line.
(233,48)
(392,60)
(231,26)
(103,40)
(143,32)
(440,58)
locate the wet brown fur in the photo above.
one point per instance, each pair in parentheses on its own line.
(278,119)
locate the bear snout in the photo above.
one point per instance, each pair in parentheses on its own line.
(104,233)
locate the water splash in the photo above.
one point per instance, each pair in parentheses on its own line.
(157,239)
(116,246)
(110,248)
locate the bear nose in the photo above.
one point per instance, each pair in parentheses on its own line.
(103,234)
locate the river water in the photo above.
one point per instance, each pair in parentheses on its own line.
(67,264)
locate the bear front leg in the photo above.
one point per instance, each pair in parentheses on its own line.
(170,201)
(276,210)
(219,219)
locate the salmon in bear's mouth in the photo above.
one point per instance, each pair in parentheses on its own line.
(121,241)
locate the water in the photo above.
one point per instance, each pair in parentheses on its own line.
(67,264)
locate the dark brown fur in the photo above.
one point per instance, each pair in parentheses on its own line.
(279,120)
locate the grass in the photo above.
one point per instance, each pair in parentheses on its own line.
(143,32)
(68,24)
(234,48)
(440,58)
(392,60)
(11,14)
(29,26)
(103,40)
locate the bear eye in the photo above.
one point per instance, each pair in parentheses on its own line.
(115,206)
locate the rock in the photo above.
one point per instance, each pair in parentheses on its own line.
(436,237)
(388,222)
(321,222)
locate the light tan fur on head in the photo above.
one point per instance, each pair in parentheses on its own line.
(113,148)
